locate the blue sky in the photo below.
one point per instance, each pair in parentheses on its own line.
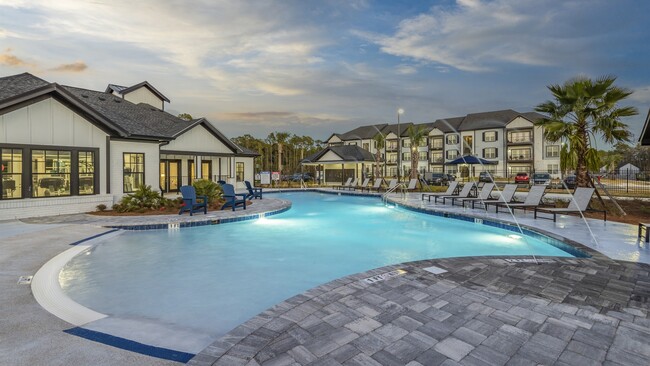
(317,67)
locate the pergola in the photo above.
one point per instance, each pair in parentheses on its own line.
(338,163)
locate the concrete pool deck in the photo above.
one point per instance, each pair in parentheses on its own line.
(353,323)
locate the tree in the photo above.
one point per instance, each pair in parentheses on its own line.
(185,116)
(416,134)
(582,111)
(380,142)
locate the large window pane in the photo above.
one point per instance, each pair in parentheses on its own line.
(11,173)
(51,173)
(86,172)
(239,170)
(133,172)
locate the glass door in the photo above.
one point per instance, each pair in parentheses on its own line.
(170,175)
(163,176)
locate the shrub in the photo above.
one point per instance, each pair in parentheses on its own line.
(205,187)
(142,200)
(101,207)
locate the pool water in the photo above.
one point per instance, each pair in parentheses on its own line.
(213,278)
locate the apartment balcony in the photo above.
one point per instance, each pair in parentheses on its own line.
(391,148)
(519,141)
(520,158)
(391,162)
(437,161)
(435,148)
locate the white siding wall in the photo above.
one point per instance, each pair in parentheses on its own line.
(541,161)
(499,144)
(144,95)
(197,139)
(151,164)
(249,173)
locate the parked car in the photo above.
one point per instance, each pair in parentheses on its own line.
(570,181)
(485,177)
(522,178)
(451,177)
(296,177)
(542,178)
(438,179)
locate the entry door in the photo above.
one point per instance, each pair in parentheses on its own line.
(170,175)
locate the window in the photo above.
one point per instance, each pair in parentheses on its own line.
(553,151)
(436,142)
(86,172)
(519,154)
(436,157)
(133,172)
(452,139)
(554,168)
(51,173)
(366,146)
(519,136)
(191,172)
(452,169)
(239,171)
(206,169)
(406,143)
(392,171)
(391,145)
(489,136)
(452,154)
(436,169)
(11,174)
(422,155)
(423,142)
(406,156)
(490,153)
(392,158)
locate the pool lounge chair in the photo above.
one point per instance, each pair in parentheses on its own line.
(191,203)
(344,185)
(253,192)
(483,195)
(533,199)
(413,183)
(464,193)
(363,185)
(506,195)
(392,184)
(231,197)
(453,187)
(377,185)
(579,203)
(353,185)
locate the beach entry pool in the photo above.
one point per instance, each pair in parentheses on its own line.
(210,279)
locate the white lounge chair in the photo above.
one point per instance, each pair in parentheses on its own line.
(344,185)
(413,183)
(377,185)
(391,184)
(450,191)
(579,203)
(533,199)
(464,193)
(363,185)
(505,196)
(483,195)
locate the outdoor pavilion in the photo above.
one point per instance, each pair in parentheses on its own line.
(335,164)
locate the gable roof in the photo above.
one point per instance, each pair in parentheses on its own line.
(14,85)
(123,90)
(347,153)
(493,119)
(362,133)
(213,130)
(403,129)
(644,139)
(451,124)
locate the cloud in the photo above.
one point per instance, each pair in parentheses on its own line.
(406,69)
(8,59)
(641,94)
(78,66)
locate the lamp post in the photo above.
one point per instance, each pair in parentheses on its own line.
(399,146)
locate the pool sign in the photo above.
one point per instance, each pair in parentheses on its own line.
(265,177)
(275,176)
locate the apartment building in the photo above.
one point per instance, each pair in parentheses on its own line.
(506,137)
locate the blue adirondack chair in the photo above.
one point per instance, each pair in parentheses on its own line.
(191,203)
(231,197)
(252,191)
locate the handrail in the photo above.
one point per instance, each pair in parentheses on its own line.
(302,184)
(384,197)
(611,198)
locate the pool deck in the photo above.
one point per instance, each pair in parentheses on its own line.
(482,310)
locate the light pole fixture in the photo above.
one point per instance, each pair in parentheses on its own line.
(399,146)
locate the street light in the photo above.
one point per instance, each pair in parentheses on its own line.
(399,146)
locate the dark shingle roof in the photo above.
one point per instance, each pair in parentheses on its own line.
(403,129)
(362,133)
(137,119)
(493,119)
(114,88)
(448,124)
(127,89)
(14,85)
(350,153)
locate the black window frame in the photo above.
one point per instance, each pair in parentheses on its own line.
(144,167)
(496,153)
(496,136)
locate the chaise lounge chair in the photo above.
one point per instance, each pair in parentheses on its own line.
(353,185)
(392,184)
(413,183)
(190,202)
(344,185)
(253,192)
(505,196)
(363,185)
(533,199)
(231,197)
(377,185)
(483,195)
(464,193)
(579,203)
(453,187)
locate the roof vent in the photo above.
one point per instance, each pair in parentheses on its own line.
(101,98)
(84,96)
(117,100)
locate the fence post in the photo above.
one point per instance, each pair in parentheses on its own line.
(627,181)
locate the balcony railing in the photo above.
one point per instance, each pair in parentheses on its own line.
(519,157)
(520,140)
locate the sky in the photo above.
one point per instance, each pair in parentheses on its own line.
(318,67)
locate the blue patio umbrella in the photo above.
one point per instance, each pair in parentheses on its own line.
(470,159)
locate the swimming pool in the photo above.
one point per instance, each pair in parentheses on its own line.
(212,278)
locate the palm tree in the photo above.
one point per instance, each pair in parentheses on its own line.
(416,134)
(380,142)
(584,109)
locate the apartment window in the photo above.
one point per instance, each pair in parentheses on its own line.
(436,169)
(490,153)
(553,168)
(452,139)
(423,142)
(489,136)
(392,158)
(520,136)
(11,174)
(452,154)
(406,156)
(366,146)
(406,143)
(553,151)
(391,145)
(392,171)
(239,171)
(520,154)
(51,173)
(436,157)
(436,143)
(422,155)
(133,172)
(86,172)
(206,169)
(452,169)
